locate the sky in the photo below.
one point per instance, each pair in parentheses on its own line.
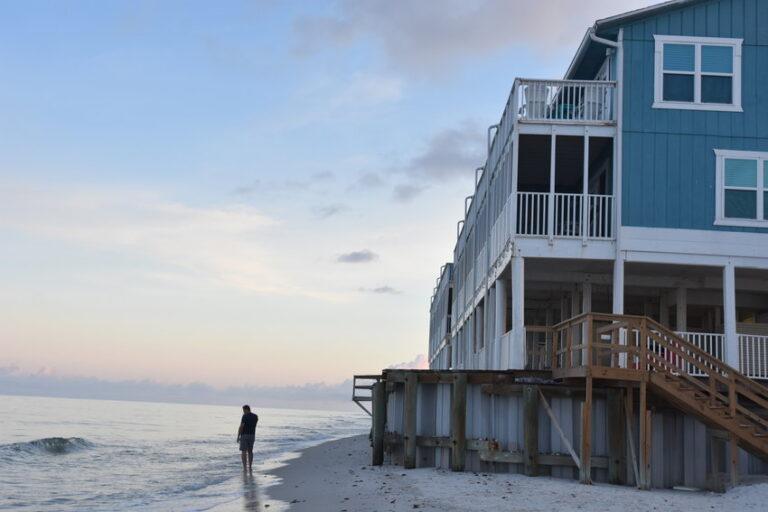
(245,193)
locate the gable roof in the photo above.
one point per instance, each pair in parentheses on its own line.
(644,12)
(591,53)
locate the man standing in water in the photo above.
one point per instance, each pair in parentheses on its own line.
(246,435)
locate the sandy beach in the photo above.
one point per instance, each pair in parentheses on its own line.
(337,476)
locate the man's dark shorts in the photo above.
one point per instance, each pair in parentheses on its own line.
(246,443)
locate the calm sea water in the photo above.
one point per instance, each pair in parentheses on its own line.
(75,455)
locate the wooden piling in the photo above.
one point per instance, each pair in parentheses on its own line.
(715,483)
(644,448)
(734,460)
(531,430)
(617,453)
(409,421)
(379,410)
(628,406)
(458,422)
(585,470)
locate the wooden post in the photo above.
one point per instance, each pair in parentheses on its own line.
(734,460)
(531,430)
(647,448)
(585,470)
(379,421)
(409,421)
(617,453)
(458,422)
(644,434)
(629,405)
(715,482)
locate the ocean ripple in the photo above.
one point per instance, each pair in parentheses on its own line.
(48,445)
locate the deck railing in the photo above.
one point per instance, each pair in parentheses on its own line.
(753,356)
(711,343)
(569,217)
(579,101)
(753,349)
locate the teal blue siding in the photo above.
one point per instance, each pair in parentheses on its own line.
(668,160)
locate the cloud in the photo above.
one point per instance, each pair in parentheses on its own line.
(219,245)
(449,154)
(363,256)
(367,181)
(289,185)
(382,290)
(13,381)
(420,362)
(431,37)
(329,210)
(405,193)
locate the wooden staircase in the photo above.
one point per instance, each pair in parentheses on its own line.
(636,351)
(725,399)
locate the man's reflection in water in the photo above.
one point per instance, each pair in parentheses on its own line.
(250,492)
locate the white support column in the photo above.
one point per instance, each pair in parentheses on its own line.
(586,307)
(515,158)
(586,297)
(618,285)
(517,340)
(681,304)
(500,291)
(585,191)
(731,348)
(618,301)
(501,308)
(663,309)
(552,179)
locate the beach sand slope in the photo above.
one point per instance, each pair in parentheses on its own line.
(337,476)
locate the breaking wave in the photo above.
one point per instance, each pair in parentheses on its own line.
(50,445)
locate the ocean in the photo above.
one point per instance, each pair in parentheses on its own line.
(59,454)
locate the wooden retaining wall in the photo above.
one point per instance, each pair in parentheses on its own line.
(522,422)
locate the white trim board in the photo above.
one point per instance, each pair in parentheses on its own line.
(694,246)
(696,104)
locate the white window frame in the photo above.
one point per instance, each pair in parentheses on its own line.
(720,219)
(698,42)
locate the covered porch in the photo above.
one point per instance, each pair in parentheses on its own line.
(723,311)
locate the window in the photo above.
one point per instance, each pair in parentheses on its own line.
(701,73)
(742,188)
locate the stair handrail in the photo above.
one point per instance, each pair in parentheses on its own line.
(725,371)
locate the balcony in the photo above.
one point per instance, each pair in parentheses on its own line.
(566,101)
(582,216)
(581,102)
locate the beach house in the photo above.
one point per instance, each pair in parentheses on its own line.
(638,185)
(606,312)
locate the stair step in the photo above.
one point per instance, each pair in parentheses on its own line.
(745,425)
(760,434)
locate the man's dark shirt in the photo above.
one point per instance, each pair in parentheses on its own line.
(249,424)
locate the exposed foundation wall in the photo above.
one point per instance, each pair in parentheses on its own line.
(496,422)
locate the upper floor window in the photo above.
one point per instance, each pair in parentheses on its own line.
(698,73)
(742,188)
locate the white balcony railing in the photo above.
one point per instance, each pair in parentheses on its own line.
(532,208)
(711,343)
(569,217)
(576,101)
(753,356)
